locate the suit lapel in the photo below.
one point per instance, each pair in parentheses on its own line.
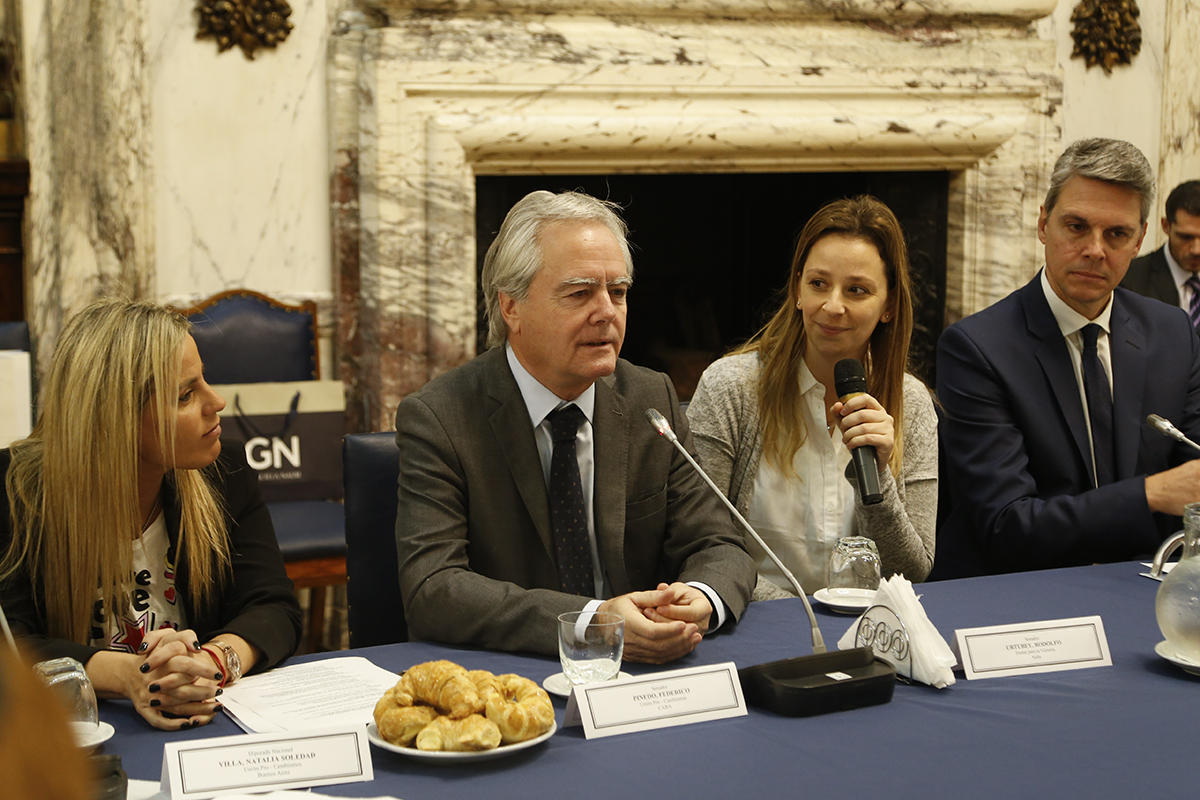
(509,418)
(1162,282)
(1055,361)
(1127,346)
(610,442)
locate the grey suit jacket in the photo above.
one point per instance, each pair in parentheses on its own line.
(1150,276)
(476,556)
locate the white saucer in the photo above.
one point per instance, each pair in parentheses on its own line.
(98,735)
(559,685)
(1186,664)
(437,756)
(846,601)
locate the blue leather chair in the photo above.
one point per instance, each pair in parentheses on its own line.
(247,337)
(370,470)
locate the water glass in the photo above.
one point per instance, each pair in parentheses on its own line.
(590,646)
(854,564)
(69,682)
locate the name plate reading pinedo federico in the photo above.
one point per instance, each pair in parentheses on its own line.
(662,700)
(264,762)
(1030,647)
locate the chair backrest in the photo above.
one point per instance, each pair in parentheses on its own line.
(371,469)
(247,337)
(14,336)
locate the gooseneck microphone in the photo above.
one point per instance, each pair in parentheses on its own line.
(664,428)
(849,381)
(1165,427)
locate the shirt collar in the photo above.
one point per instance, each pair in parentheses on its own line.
(807,381)
(1180,274)
(540,401)
(1069,320)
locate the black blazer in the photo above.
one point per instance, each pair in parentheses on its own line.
(1150,276)
(255,602)
(1017,450)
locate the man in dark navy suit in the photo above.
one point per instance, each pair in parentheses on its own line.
(1046,392)
(1172,272)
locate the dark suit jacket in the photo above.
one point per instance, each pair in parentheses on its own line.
(255,602)
(477,563)
(1150,276)
(1017,451)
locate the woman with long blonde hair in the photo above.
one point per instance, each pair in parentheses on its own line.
(129,540)
(771,431)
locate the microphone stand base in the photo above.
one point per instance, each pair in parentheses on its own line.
(819,684)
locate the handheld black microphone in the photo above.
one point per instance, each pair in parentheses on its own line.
(805,685)
(1165,427)
(850,380)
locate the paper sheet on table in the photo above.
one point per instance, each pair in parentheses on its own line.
(1167,567)
(334,691)
(932,659)
(149,790)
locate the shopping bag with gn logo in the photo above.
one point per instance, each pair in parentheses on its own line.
(292,433)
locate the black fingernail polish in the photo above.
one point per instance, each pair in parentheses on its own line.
(144,668)
(196,645)
(142,647)
(216,676)
(186,724)
(219,691)
(155,703)
(218,707)
(154,687)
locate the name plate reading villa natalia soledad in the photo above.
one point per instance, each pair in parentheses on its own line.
(663,700)
(1025,648)
(265,762)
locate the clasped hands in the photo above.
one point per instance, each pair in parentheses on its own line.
(662,624)
(172,683)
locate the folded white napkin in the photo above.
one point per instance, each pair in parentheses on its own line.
(932,660)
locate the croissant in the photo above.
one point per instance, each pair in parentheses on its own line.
(470,733)
(442,684)
(401,724)
(521,710)
(485,683)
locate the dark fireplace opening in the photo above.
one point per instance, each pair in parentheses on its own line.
(712,251)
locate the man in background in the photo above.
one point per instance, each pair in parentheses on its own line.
(1172,272)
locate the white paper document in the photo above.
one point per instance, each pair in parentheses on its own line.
(335,691)
(1032,647)
(15,396)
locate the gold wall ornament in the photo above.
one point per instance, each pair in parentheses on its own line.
(249,24)
(1106,32)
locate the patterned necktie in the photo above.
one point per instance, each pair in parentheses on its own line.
(1099,400)
(1193,283)
(568,520)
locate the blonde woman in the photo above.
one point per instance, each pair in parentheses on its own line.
(770,429)
(130,541)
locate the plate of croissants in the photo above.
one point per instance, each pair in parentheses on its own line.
(441,711)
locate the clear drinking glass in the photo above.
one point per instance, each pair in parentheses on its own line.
(854,564)
(590,646)
(69,682)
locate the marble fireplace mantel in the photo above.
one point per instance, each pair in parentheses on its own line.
(427,96)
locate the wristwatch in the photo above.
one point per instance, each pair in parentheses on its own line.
(233,661)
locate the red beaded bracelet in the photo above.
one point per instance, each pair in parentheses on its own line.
(217,659)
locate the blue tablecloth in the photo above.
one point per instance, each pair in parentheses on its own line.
(1120,731)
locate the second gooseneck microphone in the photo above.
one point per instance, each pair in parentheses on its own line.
(850,380)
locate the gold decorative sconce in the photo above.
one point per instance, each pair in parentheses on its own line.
(1106,32)
(249,24)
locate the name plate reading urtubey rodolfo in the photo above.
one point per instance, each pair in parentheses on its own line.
(662,700)
(263,762)
(1049,646)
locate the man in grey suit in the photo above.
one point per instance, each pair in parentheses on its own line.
(483,558)
(1172,272)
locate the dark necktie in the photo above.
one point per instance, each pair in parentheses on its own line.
(568,519)
(1099,400)
(1194,306)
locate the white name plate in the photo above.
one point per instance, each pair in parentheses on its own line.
(250,763)
(1049,646)
(663,700)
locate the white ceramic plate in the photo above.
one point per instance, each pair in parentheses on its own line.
(846,601)
(481,755)
(98,735)
(559,685)
(1186,664)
